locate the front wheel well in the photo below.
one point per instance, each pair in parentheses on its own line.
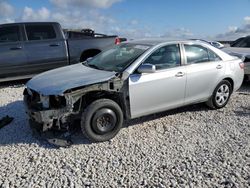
(89,53)
(90,97)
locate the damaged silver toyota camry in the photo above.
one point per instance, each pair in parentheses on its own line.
(131,80)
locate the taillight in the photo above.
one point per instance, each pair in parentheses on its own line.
(117,41)
(242,65)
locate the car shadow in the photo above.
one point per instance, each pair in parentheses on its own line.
(15,84)
(244,111)
(245,87)
(190,108)
(19,132)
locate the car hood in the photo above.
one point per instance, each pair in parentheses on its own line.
(237,51)
(57,81)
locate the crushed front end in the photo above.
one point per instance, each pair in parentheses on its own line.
(51,115)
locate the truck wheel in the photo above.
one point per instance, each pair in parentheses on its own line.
(101,120)
(221,95)
(89,53)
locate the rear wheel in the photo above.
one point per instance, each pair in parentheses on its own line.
(101,120)
(221,95)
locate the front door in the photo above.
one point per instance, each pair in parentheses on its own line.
(165,89)
(12,54)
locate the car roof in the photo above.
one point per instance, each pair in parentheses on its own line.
(20,23)
(157,41)
(149,41)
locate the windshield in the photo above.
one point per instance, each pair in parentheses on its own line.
(242,43)
(117,58)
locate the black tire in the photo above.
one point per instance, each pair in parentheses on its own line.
(89,53)
(246,78)
(213,101)
(101,120)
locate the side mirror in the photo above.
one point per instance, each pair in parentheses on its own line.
(146,68)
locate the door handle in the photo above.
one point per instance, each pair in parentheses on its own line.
(16,48)
(219,67)
(54,45)
(179,74)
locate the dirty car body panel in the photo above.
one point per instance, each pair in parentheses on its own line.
(55,99)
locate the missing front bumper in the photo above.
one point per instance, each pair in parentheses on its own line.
(56,138)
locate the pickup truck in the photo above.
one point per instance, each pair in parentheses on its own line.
(27,49)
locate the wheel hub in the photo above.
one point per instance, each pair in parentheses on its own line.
(222,94)
(104,121)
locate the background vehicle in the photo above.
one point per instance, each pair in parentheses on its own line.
(236,41)
(213,43)
(216,44)
(30,48)
(131,80)
(241,49)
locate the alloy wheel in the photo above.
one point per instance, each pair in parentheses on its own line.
(222,94)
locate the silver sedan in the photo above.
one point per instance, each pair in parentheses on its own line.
(130,80)
(175,74)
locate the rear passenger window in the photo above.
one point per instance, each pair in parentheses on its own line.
(196,54)
(199,54)
(9,34)
(40,32)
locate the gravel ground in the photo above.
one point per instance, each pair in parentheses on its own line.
(187,147)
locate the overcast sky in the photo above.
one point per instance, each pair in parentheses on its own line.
(173,19)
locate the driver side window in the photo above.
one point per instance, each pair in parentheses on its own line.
(165,57)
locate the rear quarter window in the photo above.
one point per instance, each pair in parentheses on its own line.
(213,56)
(40,32)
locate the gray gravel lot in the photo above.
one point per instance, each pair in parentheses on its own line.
(188,147)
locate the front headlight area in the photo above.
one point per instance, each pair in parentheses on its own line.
(49,112)
(45,102)
(57,102)
(40,102)
(52,102)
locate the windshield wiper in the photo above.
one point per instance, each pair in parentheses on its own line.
(91,65)
(85,62)
(95,67)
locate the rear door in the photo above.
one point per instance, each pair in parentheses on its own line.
(45,47)
(12,55)
(204,70)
